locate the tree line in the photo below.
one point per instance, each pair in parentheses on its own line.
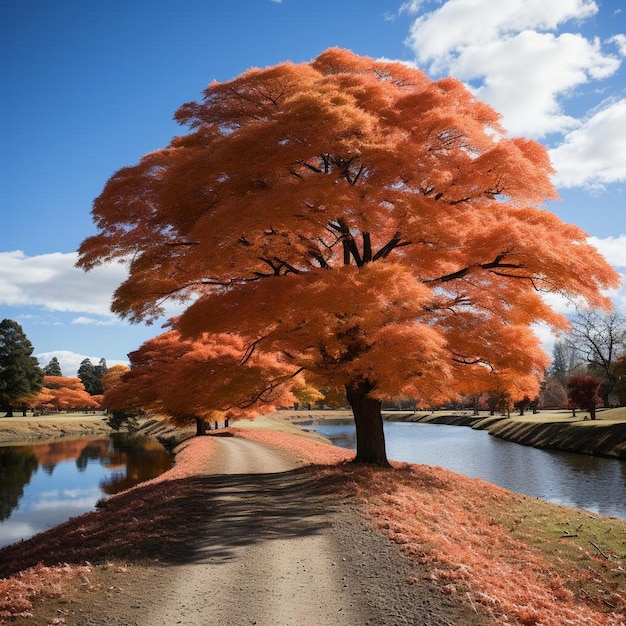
(588,370)
(24,385)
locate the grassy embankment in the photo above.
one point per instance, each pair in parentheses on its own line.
(551,430)
(19,429)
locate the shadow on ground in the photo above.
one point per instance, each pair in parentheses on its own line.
(182,521)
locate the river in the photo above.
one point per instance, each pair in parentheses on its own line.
(43,485)
(587,482)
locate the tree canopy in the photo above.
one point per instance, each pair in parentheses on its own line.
(375,228)
(53,368)
(20,374)
(91,376)
(61,393)
(582,393)
(212,378)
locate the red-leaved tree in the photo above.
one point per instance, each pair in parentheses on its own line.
(582,393)
(374,228)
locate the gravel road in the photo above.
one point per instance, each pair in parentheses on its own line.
(276,552)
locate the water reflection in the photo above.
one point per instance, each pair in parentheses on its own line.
(16,470)
(593,483)
(45,484)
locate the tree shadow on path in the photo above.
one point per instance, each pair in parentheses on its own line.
(198,519)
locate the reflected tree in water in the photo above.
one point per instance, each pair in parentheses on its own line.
(17,466)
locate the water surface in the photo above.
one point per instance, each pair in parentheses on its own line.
(580,480)
(43,485)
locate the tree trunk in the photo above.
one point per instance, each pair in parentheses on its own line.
(370,437)
(201,427)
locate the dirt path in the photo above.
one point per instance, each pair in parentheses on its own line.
(266,545)
(272,561)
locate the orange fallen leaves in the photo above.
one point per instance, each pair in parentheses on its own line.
(18,592)
(442,519)
(307,450)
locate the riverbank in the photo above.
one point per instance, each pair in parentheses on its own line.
(16,430)
(497,556)
(550,430)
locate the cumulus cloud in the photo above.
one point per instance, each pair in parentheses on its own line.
(441,35)
(620,42)
(612,248)
(525,76)
(528,59)
(70,361)
(52,282)
(593,154)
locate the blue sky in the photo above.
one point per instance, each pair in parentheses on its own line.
(91,86)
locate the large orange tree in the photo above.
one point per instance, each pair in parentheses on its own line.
(374,227)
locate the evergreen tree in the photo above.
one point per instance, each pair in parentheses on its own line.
(20,374)
(53,368)
(91,375)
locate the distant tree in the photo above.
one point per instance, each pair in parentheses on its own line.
(307,396)
(60,393)
(523,404)
(20,374)
(114,376)
(374,227)
(117,418)
(92,375)
(553,393)
(582,392)
(620,379)
(599,338)
(499,402)
(565,361)
(53,368)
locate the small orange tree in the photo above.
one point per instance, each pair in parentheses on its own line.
(63,393)
(211,378)
(373,226)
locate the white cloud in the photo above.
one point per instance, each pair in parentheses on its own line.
(439,36)
(525,77)
(620,42)
(91,321)
(594,154)
(612,248)
(51,281)
(511,59)
(70,361)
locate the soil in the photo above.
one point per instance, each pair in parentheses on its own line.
(14,430)
(263,542)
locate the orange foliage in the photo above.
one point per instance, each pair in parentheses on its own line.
(18,592)
(113,376)
(213,377)
(373,226)
(60,393)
